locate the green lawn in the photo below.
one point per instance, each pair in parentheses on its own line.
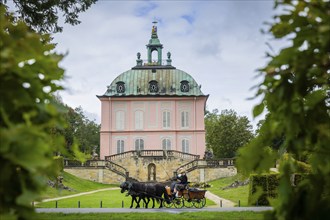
(78,185)
(234,194)
(150,216)
(110,199)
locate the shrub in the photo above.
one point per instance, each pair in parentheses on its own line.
(262,187)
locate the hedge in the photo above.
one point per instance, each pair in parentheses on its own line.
(264,187)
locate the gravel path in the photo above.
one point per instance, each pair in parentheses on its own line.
(219,201)
(227,206)
(168,210)
(80,194)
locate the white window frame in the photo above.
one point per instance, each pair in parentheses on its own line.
(139,119)
(185,145)
(120,120)
(184,119)
(166,144)
(166,119)
(120,146)
(139,144)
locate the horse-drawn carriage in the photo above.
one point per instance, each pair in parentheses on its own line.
(187,197)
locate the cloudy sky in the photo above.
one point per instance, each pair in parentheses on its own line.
(218,42)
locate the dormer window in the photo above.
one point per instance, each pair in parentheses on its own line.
(120,87)
(184,87)
(153,86)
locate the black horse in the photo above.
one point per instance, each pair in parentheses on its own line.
(145,191)
(136,197)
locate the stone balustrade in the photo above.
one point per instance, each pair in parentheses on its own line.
(152,153)
(197,164)
(88,163)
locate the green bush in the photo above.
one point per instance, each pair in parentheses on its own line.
(262,188)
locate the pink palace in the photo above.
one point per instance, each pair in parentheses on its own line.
(153,106)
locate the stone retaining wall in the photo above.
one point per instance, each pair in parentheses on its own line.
(100,174)
(149,169)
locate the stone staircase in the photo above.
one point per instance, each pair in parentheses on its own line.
(199,164)
(136,166)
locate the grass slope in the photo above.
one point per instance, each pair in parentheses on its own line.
(77,184)
(233,194)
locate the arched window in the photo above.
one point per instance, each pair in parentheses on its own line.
(166,119)
(154,56)
(120,146)
(120,120)
(139,120)
(139,144)
(185,146)
(166,144)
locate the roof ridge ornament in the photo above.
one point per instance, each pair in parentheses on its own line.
(154,30)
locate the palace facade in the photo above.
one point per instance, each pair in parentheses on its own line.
(153,106)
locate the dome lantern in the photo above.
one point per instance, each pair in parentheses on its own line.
(154,45)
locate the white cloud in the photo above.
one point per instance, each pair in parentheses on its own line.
(218,42)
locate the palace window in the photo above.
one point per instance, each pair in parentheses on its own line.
(153,86)
(120,146)
(120,87)
(166,144)
(184,87)
(184,119)
(139,120)
(120,120)
(166,119)
(139,144)
(185,146)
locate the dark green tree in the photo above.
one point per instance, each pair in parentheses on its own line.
(226,132)
(81,129)
(295,90)
(29,114)
(28,77)
(42,16)
(273,143)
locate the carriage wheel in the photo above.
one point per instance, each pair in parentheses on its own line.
(178,203)
(168,205)
(199,203)
(188,203)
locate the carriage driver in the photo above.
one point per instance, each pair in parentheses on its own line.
(180,181)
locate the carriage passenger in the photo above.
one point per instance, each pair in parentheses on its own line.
(180,181)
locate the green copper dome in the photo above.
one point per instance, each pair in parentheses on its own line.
(154,82)
(153,78)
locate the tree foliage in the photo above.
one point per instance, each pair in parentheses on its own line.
(29,76)
(29,115)
(226,132)
(42,16)
(296,92)
(80,130)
